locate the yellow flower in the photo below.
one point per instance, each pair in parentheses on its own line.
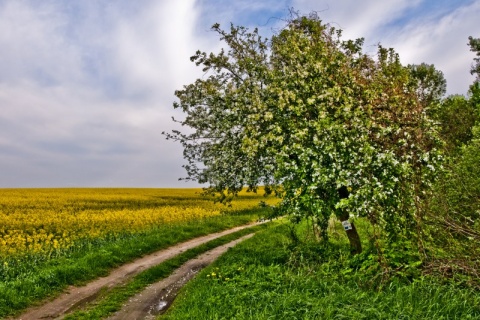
(44,220)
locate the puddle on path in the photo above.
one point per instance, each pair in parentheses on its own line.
(168,294)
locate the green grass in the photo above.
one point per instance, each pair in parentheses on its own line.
(269,277)
(114,300)
(32,282)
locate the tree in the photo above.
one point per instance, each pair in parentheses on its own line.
(474,44)
(457,116)
(331,129)
(431,84)
(474,92)
(219,107)
(454,208)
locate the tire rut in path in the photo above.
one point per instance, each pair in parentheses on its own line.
(77,297)
(158,297)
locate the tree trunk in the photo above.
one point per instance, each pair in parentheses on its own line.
(352,234)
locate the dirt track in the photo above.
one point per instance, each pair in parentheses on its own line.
(156,298)
(76,297)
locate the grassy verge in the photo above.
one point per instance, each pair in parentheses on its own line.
(34,283)
(268,277)
(113,300)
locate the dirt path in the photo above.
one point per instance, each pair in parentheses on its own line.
(77,297)
(156,298)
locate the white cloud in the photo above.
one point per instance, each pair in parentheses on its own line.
(357,18)
(33,46)
(151,50)
(84,102)
(51,137)
(442,42)
(434,35)
(86,87)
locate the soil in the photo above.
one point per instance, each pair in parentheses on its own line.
(157,298)
(77,297)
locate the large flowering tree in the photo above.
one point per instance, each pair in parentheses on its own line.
(331,129)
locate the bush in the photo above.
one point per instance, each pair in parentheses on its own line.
(454,216)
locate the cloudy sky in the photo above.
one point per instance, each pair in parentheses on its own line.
(86,86)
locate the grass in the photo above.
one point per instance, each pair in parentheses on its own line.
(114,300)
(32,284)
(270,277)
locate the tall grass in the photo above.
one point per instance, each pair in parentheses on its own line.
(270,277)
(114,300)
(27,278)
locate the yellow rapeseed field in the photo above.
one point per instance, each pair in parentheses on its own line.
(46,220)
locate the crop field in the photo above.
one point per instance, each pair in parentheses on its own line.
(47,221)
(52,238)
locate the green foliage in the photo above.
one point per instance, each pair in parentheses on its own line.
(342,120)
(452,232)
(474,98)
(474,44)
(251,283)
(31,283)
(430,82)
(219,107)
(340,132)
(462,183)
(454,217)
(457,115)
(114,300)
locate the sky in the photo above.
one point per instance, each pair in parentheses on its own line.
(87,87)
